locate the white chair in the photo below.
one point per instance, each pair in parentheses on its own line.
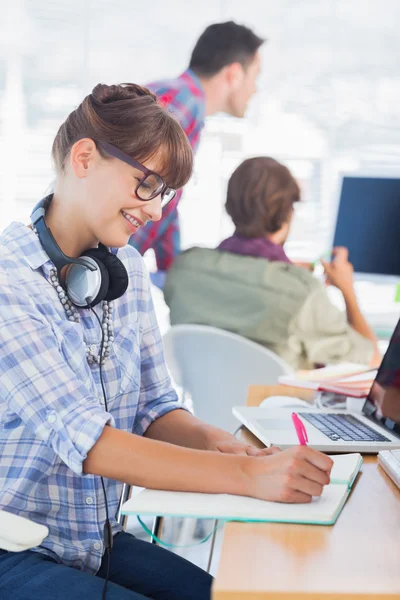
(18,533)
(215,367)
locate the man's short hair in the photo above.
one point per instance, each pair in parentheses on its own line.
(260,197)
(222,44)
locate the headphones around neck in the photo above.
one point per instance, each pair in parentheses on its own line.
(95,276)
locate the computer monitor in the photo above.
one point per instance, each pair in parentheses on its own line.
(368,224)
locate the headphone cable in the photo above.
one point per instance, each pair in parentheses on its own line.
(108,536)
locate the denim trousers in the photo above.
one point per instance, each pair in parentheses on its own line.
(138,570)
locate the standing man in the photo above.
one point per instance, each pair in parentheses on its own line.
(221,77)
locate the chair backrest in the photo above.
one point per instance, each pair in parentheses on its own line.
(216,367)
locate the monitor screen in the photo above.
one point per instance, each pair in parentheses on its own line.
(383,402)
(368,224)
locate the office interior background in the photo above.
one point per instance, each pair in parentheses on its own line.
(327,102)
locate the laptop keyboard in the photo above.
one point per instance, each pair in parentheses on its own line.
(343,427)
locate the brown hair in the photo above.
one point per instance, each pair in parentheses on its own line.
(260,198)
(129,117)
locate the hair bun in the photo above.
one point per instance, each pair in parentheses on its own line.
(105,94)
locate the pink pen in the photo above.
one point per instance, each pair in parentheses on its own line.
(300,429)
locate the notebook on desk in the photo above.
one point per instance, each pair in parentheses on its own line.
(321,511)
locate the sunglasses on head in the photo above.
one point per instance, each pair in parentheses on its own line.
(150,185)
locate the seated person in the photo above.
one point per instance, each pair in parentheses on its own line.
(86,402)
(249,286)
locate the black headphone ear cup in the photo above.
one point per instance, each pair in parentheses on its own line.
(118,280)
(104,276)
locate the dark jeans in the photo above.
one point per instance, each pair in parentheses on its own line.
(138,570)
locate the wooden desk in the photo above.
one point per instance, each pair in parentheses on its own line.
(356,559)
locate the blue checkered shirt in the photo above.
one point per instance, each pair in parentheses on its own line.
(51,406)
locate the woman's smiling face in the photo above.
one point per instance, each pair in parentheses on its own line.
(111,209)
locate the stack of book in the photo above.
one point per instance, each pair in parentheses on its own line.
(348,379)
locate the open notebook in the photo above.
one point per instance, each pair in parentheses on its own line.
(322,511)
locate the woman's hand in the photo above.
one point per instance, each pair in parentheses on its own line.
(293,475)
(236,447)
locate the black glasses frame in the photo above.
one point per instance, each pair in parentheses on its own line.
(117,153)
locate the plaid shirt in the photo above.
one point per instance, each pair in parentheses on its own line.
(185,98)
(51,404)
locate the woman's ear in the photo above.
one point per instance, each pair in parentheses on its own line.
(82,156)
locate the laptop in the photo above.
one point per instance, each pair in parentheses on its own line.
(376,428)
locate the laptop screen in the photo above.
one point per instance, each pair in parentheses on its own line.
(383,401)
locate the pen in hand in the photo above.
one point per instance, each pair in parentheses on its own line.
(300,429)
(302,433)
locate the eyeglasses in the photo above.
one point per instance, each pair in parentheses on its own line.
(150,185)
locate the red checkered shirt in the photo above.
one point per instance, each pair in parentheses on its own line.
(184,96)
